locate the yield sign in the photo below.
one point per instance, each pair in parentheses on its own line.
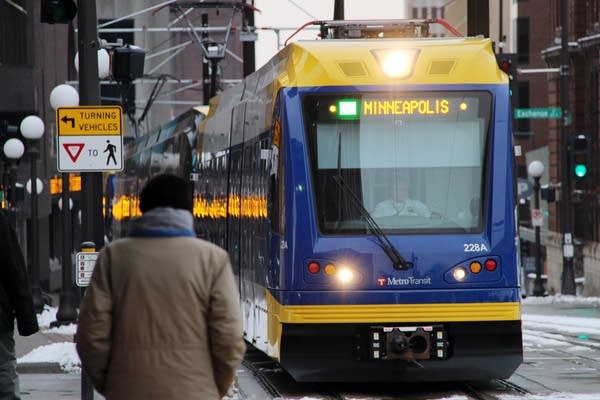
(73,150)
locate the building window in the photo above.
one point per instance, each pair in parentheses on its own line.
(415,12)
(523,39)
(14,50)
(424,12)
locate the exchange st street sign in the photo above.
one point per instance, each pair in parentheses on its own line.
(90,138)
(538,113)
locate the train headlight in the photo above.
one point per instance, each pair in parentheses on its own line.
(459,274)
(345,275)
(396,63)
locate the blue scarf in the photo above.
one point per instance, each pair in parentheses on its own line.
(163,222)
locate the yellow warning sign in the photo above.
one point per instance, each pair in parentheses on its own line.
(87,120)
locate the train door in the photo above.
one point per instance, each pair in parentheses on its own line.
(260,233)
(247,241)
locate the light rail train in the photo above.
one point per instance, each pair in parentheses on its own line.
(290,168)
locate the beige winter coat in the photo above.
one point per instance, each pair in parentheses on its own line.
(161,320)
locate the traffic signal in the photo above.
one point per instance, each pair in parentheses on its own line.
(58,11)
(128,63)
(508,62)
(580,156)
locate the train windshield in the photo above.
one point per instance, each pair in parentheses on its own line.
(415,161)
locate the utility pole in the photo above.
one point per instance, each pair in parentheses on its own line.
(338,10)
(478,18)
(568,276)
(89,95)
(248,48)
(205,66)
(338,15)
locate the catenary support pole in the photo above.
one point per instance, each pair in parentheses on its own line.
(568,276)
(89,95)
(36,290)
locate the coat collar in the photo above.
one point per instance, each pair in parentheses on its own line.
(163,222)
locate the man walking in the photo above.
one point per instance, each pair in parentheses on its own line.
(161,317)
(15,302)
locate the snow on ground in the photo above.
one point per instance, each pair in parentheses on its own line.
(562,299)
(552,396)
(63,353)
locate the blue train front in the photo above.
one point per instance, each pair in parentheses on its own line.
(370,285)
(298,173)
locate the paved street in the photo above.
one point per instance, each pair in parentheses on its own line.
(52,386)
(561,342)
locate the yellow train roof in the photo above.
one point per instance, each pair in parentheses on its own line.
(352,62)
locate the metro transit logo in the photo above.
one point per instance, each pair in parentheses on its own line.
(383,281)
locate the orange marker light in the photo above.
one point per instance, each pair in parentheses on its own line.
(329,269)
(475,267)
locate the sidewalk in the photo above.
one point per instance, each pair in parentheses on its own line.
(49,351)
(40,340)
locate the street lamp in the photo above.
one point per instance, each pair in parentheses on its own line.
(535,169)
(65,96)
(32,129)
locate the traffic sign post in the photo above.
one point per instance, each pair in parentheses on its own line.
(538,113)
(85,261)
(90,138)
(537,217)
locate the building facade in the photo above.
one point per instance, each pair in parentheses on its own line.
(36,57)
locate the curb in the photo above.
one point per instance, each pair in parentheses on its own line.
(40,368)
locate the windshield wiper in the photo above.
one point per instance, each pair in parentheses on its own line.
(397,260)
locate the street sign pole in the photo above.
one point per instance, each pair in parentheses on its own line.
(89,95)
(568,276)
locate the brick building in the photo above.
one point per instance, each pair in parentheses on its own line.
(539,46)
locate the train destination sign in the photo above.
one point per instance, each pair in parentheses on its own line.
(354,108)
(405,107)
(89,138)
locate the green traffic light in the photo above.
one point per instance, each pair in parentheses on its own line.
(580,170)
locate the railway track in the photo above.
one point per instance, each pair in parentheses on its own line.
(278,384)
